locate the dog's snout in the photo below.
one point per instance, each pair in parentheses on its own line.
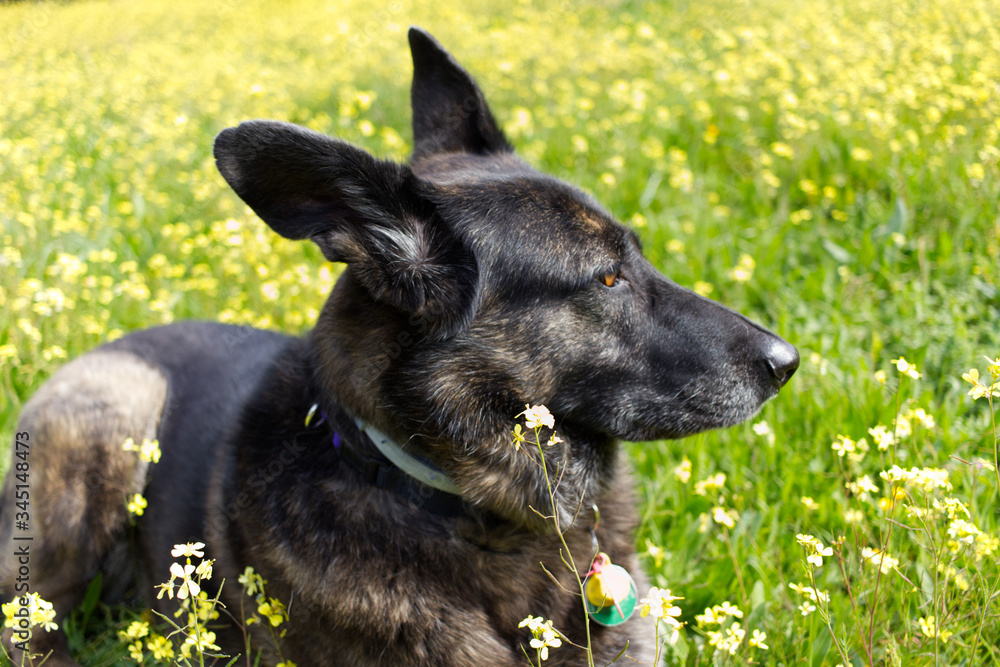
(782,360)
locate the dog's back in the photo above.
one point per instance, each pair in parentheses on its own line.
(183,384)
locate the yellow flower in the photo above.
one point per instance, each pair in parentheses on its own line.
(757,640)
(811,594)
(882,436)
(201,642)
(853,516)
(928,626)
(150,451)
(884,561)
(707,618)
(160,647)
(710,484)
(167,588)
(724,517)
(135,651)
(518,434)
(979,389)
(862,487)
(764,430)
(135,630)
(927,479)
(921,416)
(994,367)
(659,603)
(136,504)
(843,445)
(861,154)
(273,610)
(40,612)
(252,582)
(683,471)
(204,569)
(702,288)
(782,149)
(906,368)
(743,271)
(815,551)
(733,638)
(656,553)
(727,609)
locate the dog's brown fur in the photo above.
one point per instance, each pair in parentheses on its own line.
(475,285)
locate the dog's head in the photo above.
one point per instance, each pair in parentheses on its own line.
(476,284)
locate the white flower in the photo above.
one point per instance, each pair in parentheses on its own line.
(536,416)
(187,586)
(189,549)
(884,561)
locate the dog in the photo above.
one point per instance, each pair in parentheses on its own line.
(367,471)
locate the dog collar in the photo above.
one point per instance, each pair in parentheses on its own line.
(384,464)
(416,467)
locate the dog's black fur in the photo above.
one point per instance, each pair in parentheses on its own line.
(474,285)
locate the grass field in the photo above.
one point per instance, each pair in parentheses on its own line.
(829,169)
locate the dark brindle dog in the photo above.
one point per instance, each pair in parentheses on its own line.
(474,285)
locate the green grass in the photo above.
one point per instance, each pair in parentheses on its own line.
(848,149)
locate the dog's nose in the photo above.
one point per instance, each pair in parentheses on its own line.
(782,360)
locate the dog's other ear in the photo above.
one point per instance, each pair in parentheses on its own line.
(449,111)
(358,209)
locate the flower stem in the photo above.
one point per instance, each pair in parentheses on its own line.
(569,554)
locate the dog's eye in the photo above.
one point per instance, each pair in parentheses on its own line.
(610,277)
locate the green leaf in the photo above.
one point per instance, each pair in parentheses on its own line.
(649,193)
(926,583)
(682,649)
(839,253)
(90,599)
(820,648)
(755,618)
(900,217)
(757,594)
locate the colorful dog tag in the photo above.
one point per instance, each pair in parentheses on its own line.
(610,592)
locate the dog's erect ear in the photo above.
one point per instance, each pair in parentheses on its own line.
(449,111)
(358,209)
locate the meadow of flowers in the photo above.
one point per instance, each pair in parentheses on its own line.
(828,168)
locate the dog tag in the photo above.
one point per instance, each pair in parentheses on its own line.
(610,592)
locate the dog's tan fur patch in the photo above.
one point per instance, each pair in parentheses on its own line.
(79,476)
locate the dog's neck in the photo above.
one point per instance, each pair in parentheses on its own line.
(384,463)
(413,465)
(475,451)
